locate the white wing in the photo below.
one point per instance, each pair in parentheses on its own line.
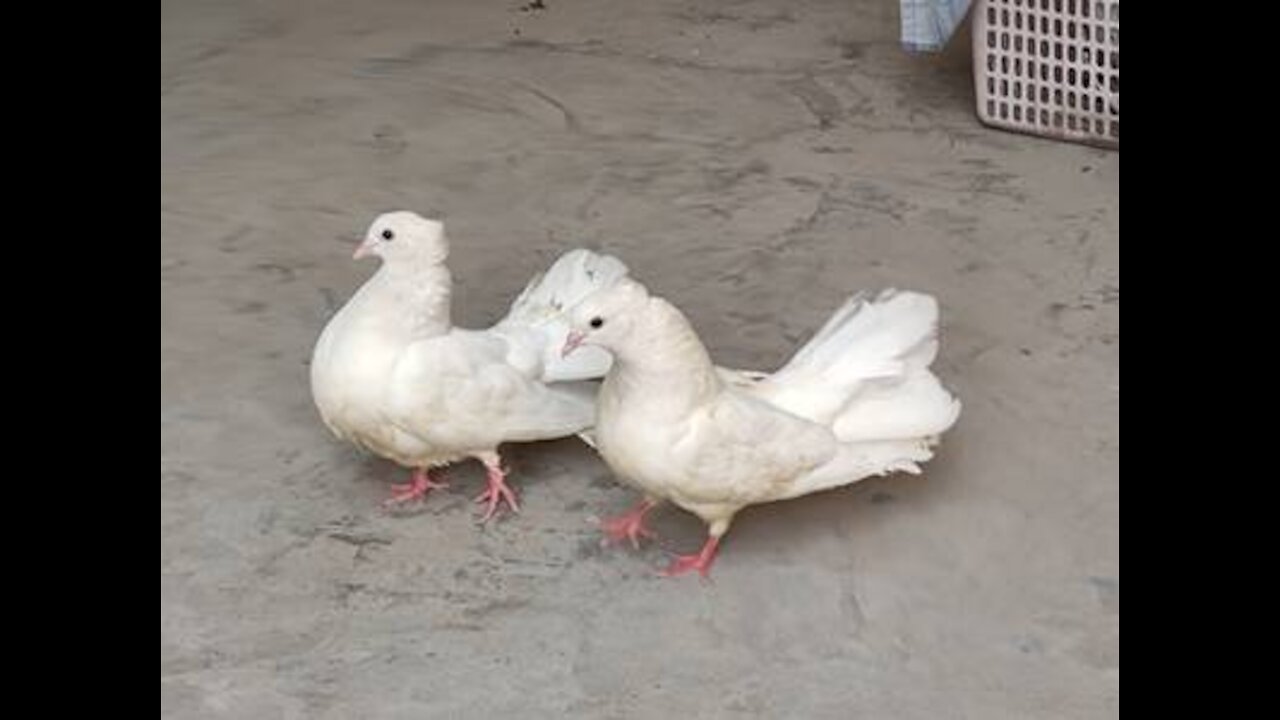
(459,391)
(739,450)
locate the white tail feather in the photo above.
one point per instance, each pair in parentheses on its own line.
(866,343)
(916,407)
(866,375)
(858,461)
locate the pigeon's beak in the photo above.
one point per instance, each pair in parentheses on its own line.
(364,251)
(572,342)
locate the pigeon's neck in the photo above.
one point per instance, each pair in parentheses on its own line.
(420,296)
(665,357)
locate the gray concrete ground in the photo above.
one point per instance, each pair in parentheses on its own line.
(752,161)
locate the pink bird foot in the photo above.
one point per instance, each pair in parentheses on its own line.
(701,561)
(628,526)
(497,492)
(419,485)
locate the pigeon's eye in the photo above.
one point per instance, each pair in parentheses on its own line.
(388,235)
(596,322)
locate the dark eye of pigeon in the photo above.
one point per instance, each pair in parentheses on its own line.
(388,235)
(596,322)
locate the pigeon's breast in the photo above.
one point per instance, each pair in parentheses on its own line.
(639,449)
(350,371)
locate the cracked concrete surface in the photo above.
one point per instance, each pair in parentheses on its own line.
(754,162)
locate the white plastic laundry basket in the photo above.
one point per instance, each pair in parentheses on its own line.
(1049,67)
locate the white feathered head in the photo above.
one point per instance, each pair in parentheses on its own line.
(405,236)
(605,317)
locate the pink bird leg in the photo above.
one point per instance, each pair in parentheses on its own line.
(628,526)
(701,561)
(419,485)
(498,490)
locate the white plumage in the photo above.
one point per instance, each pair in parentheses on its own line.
(391,374)
(857,400)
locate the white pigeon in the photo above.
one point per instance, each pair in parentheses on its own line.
(391,374)
(857,400)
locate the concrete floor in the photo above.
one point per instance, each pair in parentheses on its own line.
(752,161)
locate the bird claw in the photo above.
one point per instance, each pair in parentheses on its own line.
(700,561)
(415,489)
(628,526)
(681,564)
(497,493)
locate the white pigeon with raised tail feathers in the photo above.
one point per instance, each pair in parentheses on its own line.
(857,400)
(391,374)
